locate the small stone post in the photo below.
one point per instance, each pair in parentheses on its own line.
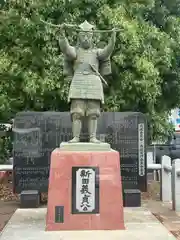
(176,185)
(166,168)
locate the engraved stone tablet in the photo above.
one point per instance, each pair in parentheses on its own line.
(31,178)
(126,132)
(27,142)
(37,134)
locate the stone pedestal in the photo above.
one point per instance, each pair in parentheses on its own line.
(85,190)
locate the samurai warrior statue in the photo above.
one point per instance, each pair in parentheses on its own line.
(87,66)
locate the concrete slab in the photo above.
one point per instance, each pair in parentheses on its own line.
(29,224)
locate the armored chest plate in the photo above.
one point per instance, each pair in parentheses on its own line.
(86,84)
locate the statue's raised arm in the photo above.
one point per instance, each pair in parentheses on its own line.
(107,51)
(68,50)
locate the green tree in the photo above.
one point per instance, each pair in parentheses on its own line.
(5,143)
(145,62)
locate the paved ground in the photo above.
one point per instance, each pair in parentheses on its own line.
(163,212)
(6,211)
(139,222)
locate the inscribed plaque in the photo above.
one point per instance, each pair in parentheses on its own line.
(59,214)
(85,190)
(141,155)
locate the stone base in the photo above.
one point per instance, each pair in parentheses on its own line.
(29,199)
(105,208)
(85,146)
(131,198)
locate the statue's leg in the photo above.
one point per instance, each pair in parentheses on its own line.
(93,113)
(77,112)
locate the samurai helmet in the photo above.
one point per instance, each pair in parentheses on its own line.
(86,26)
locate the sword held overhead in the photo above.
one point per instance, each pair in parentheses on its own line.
(76,27)
(63,25)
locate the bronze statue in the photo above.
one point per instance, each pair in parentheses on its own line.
(86,65)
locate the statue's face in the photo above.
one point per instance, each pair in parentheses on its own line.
(85,39)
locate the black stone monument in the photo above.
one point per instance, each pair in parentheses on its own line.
(36,134)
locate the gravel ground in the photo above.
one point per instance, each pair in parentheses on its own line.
(8,202)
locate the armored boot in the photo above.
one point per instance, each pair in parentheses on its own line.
(76,128)
(92,128)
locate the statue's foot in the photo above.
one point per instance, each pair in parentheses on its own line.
(74,140)
(94,140)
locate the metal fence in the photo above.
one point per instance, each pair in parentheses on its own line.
(169,180)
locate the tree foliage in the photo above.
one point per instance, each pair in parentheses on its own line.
(5,143)
(145,61)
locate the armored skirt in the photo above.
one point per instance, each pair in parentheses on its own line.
(86,86)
